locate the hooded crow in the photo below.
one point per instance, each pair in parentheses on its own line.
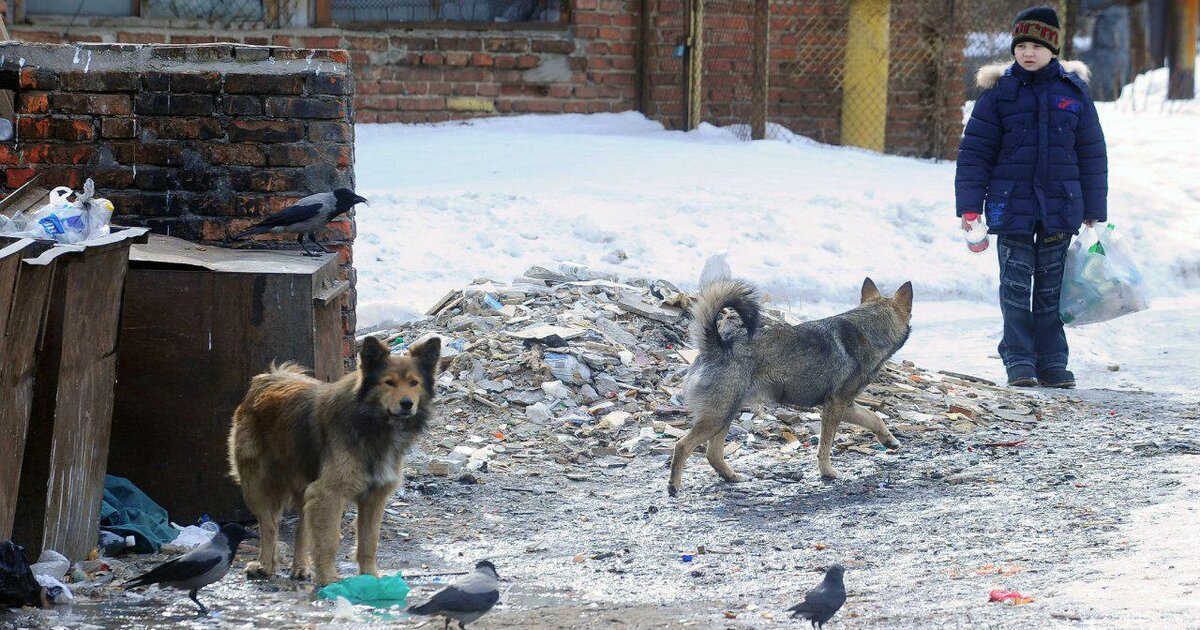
(465,600)
(823,602)
(199,567)
(307,217)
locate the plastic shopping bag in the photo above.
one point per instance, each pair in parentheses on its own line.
(1100,281)
(63,219)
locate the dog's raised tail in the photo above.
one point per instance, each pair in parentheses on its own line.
(715,297)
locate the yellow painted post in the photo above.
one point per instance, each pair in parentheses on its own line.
(865,78)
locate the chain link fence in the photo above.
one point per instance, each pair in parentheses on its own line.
(447,10)
(888,75)
(228,14)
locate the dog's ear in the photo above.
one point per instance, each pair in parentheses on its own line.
(904,298)
(869,290)
(374,355)
(426,354)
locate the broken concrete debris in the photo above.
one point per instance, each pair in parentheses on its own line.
(579,367)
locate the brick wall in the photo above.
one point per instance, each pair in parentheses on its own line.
(591,64)
(432,75)
(194,141)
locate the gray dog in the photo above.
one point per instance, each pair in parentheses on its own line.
(826,362)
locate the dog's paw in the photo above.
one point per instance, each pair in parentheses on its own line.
(256,571)
(672,490)
(735,478)
(301,574)
(326,577)
(828,472)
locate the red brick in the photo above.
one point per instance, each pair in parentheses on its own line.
(33,102)
(507,45)
(552,46)
(9,156)
(314,107)
(338,56)
(239,154)
(366,43)
(525,62)
(44,37)
(177,38)
(432,59)
(458,58)
(141,38)
(59,153)
(268,131)
(469,44)
(330,132)
(263,84)
(100,81)
(103,104)
(16,177)
(38,79)
(332,41)
(327,84)
(481,59)
(155,153)
(184,128)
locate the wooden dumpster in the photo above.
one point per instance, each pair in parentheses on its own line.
(198,323)
(26,275)
(66,448)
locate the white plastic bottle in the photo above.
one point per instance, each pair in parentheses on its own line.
(976,233)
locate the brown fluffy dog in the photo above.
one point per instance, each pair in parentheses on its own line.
(299,442)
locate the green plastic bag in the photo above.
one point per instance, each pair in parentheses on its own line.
(377,592)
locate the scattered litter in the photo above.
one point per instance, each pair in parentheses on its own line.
(1008,597)
(56,592)
(51,563)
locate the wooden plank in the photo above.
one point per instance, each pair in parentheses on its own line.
(66,449)
(695,68)
(762,65)
(24,289)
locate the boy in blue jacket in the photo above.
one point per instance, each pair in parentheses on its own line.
(1033,161)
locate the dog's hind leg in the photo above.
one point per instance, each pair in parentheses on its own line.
(716,457)
(370,516)
(710,427)
(267,511)
(301,560)
(867,419)
(832,413)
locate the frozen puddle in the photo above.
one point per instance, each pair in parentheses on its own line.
(1157,583)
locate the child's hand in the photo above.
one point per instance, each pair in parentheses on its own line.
(1090,222)
(967,219)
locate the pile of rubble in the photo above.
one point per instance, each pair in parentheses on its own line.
(582,367)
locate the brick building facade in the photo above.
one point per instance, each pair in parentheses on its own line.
(604,56)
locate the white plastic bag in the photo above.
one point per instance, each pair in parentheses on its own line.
(62,219)
(1100,280)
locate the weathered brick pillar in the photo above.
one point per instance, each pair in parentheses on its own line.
(193,141)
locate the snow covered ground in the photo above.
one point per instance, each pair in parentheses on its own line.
(458,201)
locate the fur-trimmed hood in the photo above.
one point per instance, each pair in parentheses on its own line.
(989,75)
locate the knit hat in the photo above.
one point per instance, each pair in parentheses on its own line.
(1038,25)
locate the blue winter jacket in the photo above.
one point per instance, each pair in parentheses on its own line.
(1033,151)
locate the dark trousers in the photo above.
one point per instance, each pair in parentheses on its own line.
(1031,273)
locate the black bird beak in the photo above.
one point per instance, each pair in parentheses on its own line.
(358,199)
